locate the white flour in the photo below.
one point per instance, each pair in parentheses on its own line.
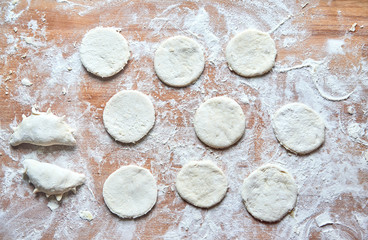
(330,180)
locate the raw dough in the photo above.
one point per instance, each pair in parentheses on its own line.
(179,61)
(201,183)
(130,191)
(298,128)
(86,215)
(129,116)
(251,53)
(104,52)
(52,179)
(219,122)
(269,193)
(43,129)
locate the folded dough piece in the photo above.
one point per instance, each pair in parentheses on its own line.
(43,129)
(51,179)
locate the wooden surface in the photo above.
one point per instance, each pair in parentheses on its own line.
(60,28)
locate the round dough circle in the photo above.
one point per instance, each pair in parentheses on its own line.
(219,122)
(298,128)
(251,53)
(179,61)
(201,183)
(104,52)
(269,193)
(130,191)
(128,116)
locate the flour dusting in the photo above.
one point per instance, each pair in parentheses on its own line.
(329,77)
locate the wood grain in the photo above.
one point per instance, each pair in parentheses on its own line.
(65,24)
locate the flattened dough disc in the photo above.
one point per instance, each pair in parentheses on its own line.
(298,128)
(251,53)
(104,52)
(128,116)
(130,191)
(179,61)
(219,122)
(201,183)
(269,193)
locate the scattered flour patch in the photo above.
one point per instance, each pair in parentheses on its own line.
(289,41)
(334,46)
(198,24)
(26,82)
(354,130)
(323,219)
(32,25)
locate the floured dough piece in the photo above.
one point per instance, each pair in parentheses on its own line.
(43,129)
(219,122)
(179,61)
(298,128)
(251,53)
(104,51)
(86,215)
(130,192)
(51,179)
(129,116)
(201,183)
(269,193)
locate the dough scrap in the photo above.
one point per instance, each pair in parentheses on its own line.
(179,61)
(201,183)
(52,179)
(269,193)
(251,53)
(298,128)
(130,192)
(219,122)
(43,129)
(86,215)
(128,116)
(104,52)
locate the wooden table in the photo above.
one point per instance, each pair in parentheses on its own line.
(40,42)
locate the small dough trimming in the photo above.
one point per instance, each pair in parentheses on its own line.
(298,128)
(179,61)
(201,183)
(269,193)
(219,122)
(128,116)
(130,191)
(251,53)
(104,52)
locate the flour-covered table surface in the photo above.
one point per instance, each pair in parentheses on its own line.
(321,62)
